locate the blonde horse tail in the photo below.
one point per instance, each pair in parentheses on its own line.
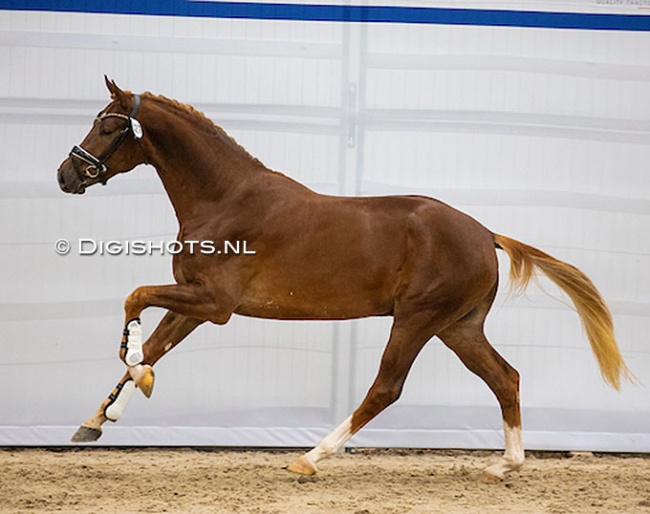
(592,309)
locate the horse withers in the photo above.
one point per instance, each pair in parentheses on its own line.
(317,257)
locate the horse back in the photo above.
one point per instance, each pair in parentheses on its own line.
(329,257)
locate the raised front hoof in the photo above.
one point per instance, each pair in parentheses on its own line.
(86,435)
(302,466)
(143,376)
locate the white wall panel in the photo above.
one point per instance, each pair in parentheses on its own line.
(541,134)
(539,142)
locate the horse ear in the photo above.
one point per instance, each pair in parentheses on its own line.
(116,92)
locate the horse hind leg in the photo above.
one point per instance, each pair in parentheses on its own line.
(403,347)
(467,340)
(171,330)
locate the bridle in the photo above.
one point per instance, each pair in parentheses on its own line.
(96,165)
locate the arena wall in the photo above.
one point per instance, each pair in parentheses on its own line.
(535,122)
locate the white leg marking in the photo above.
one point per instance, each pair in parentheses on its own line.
(514,446)
(513,458)
(331,444)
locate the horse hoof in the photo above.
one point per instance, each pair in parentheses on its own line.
(143,376)
(491,477)
(302,466)
(86,434)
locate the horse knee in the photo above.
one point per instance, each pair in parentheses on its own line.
(134,303)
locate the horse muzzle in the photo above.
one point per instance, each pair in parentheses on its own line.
(69,179)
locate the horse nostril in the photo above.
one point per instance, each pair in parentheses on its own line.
(62,183)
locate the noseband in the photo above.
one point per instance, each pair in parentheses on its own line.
(96,165)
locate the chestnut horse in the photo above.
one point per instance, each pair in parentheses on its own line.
(431,267)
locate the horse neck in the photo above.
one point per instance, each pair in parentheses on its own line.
(196,162)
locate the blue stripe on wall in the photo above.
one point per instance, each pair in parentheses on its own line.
(341,13)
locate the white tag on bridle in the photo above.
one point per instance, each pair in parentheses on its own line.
(136,128)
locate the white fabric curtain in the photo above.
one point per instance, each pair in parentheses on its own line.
(541,134)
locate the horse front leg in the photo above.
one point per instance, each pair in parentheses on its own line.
(171,330)
(189,305)
(188,299)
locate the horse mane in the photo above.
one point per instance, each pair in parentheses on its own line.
(204,122)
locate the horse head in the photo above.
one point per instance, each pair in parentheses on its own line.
(112,146)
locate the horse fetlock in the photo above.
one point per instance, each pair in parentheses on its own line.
(131,347)
(118,399)
(327,447)
(144,377)
(515,461)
